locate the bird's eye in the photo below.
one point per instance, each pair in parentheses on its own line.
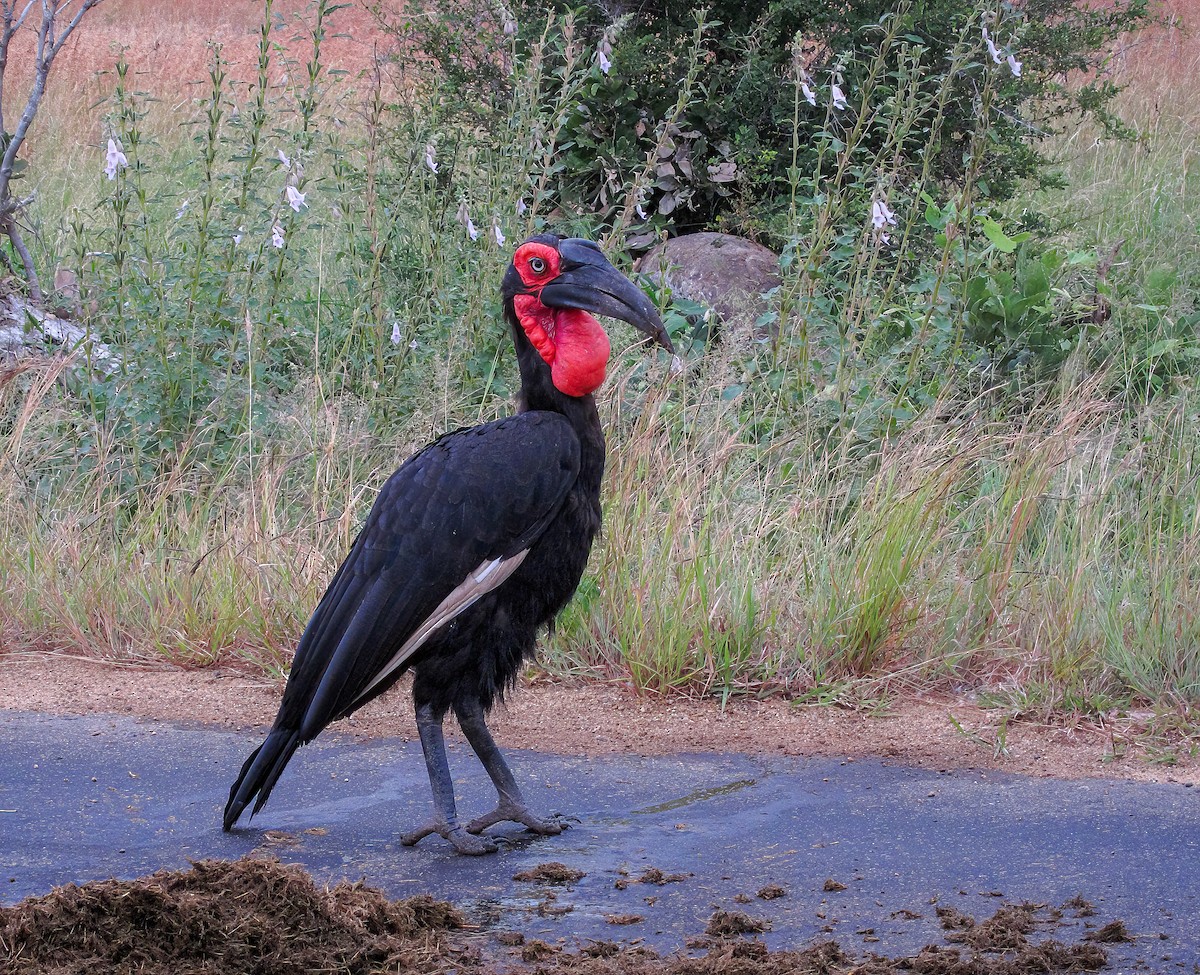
(537,265)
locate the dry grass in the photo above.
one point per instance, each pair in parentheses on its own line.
(168,48)
(1162,60)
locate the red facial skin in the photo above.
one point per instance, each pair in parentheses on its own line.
(570,340)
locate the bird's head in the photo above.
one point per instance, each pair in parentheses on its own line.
(553,288)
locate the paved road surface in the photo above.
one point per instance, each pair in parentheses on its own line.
(90,798)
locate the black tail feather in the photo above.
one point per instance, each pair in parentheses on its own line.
(260,773)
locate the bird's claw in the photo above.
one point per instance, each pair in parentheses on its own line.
(462,840)
(512,813)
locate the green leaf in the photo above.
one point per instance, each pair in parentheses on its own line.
(999,239)
(1162,347)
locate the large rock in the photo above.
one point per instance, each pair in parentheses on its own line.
(27,331)
(726,273)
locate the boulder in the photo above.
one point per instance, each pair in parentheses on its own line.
(728,274)
(28,331)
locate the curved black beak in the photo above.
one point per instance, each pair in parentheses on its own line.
(587,281)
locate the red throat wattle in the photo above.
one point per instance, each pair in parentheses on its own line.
(571,341)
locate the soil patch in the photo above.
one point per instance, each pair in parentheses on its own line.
(601,719)
(256,915)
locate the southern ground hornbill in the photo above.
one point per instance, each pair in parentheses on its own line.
(472,546)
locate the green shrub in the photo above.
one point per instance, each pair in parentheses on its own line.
(709,94)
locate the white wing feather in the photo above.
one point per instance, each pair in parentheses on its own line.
(477,584)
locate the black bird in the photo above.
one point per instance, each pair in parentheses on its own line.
(472,546)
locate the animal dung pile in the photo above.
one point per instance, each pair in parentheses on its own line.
(220,918)
(550,873)
(257,915)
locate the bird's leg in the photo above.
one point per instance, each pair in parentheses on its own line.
(512,807)
(445,818)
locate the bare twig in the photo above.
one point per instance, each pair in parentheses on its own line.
(49,44)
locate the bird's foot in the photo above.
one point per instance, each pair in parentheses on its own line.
(511,812)
(462,840)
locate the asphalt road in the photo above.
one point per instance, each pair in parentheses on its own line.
(92,798)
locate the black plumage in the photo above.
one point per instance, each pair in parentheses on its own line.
(472,546)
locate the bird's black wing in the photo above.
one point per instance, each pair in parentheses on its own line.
(448,526)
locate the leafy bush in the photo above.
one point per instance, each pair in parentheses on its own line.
(711,96)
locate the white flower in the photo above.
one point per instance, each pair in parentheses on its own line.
(810,96)
(510,24)
(287,163)
(521,207)
(429,160)
(603,61)
(295,198)
(882,216)
(497,233)
(114,159)
(182,209)
(464,217)
(1014,66)
(395,333)
(413,345)
(835,94)
(991,46)
(277,236)
(640,212)
(237,238)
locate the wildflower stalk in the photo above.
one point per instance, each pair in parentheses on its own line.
(152,300)
(957,236)
(800,296)
(959,59)
(125,119)
(571,81)
(252,151)
(207,199)
(307,104)
(373,211)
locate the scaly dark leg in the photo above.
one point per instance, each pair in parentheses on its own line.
(512,807)
(445,818)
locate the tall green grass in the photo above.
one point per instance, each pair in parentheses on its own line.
(966,553)
(857,499)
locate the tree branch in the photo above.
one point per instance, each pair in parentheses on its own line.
(11,26)
(9,226)
(47,50)
(48,46)
(62,39)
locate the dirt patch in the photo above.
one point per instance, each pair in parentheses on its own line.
(596,719)
(256,915)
